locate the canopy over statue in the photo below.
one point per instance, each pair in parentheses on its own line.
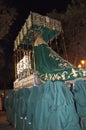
(37,24)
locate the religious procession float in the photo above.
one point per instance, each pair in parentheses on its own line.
(42,98)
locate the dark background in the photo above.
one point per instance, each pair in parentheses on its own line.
(40,6)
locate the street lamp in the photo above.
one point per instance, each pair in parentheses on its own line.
(79,66)
(83,62)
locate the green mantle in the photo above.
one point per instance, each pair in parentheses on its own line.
(50,66)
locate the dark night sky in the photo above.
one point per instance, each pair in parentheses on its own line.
(40,6)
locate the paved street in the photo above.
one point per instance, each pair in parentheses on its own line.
(4,124)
